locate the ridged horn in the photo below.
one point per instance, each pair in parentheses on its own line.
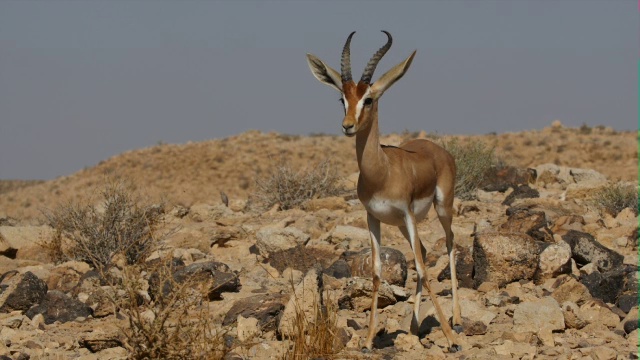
(345,62)
(371,66)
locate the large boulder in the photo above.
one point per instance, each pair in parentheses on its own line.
(555,260)
(24,242)
(586,249)
(272,239)
(504,257)
(20,291)
(610,285)
(521,192)
(266,308)
(394,264)
(530,222)
(213,277)
(58,306)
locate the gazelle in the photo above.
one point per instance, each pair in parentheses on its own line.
(397,185)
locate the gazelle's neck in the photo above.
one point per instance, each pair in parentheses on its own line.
(372,161)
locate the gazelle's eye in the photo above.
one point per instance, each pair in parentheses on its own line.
(368,101)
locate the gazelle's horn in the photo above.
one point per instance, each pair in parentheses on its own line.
(371,66)
(345,62)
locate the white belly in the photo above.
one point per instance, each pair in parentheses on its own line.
(394,212)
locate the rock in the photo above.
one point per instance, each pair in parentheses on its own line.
(220,278)
(206,212)
(627,301)
(501,179)
(339,269)
(20,291)
(586,249)
(630,322)
(603,353)
(101,339)
(64,278)
(58,306)
(464,268)
(521,192)
(555,260)
(540,314)
(247,328)
(394,264)
(587,175)
(569,289)
(510,350)
(300,258)
(597,312)
(213,278)
(349,233)
(23,242)
(330,203)
(565,223)
(504,258)
(471,327)
(610,285)
(272,240)
(530,222)
(267,308)
(358,294)
(475,312)
(304,301)
(407,342)
(572,316)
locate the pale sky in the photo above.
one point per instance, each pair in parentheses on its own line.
(81,81)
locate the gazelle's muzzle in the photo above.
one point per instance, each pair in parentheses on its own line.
(349,127)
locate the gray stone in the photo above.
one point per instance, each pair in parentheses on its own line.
(394,264)
(555,260)
(267,308)
(20,291)
(586,249)
(304,301)
(58,306)
(358,294)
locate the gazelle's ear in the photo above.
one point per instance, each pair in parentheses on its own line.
(324,72)
(391,76)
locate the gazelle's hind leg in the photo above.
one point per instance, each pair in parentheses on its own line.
(444,208)
(410,231)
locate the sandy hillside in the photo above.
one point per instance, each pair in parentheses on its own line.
(196,172)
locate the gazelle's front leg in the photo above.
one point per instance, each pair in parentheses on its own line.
(421,269)
(374,233)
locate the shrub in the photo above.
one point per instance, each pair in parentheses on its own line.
(612,199)
(473,160)
(174,325)
(291,188)
(95,234)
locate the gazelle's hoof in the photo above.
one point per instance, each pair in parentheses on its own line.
(457,328)
(366,350)
(455,348)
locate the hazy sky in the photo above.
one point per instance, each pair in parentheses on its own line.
(81,81)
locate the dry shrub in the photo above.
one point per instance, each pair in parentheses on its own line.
(316,339)
(613,199)
(473,160)
(174,325)
(120,224)
(291,188)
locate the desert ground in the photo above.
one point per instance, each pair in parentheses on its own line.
(543,271)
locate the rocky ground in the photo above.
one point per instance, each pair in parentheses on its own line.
(543,273)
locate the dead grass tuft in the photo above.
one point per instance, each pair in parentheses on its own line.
(613,199)
(291,188)
(473,160)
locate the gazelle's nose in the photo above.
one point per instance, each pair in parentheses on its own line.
(349,129)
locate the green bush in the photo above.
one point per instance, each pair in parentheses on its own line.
(613,199)
(473,160)
(291,188)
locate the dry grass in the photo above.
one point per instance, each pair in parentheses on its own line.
(613,199)
(316,338)
(473,160)
(120,224)
(174,325)
(291,188)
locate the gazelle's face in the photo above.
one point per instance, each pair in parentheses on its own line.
(358,106)
(360,99)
